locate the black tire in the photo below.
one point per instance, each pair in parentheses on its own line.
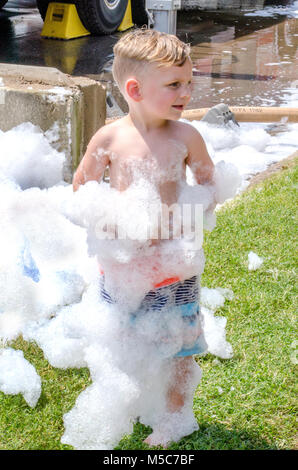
(42,6)
(2,3)
(101,16)
(139,15)
(98,16)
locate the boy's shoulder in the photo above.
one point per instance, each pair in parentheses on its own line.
(184,126)
(186,131)
(107,129)
(188,127)
(107,132)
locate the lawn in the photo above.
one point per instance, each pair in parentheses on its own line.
(247,402)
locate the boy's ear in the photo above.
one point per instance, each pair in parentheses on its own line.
(133,90)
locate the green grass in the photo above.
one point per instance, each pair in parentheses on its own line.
(247,402)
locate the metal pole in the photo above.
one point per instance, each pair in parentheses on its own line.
(162,14)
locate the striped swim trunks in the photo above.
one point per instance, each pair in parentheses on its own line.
(179,295)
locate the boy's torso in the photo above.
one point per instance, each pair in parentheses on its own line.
(157,156)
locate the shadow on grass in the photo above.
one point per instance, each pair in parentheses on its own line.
(208,437)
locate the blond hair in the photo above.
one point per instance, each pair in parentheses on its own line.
(141,47)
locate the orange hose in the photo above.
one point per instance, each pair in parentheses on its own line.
(249,114)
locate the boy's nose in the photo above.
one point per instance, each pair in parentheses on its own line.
(186,91)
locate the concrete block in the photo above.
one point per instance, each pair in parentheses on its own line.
(92,107)
(73,107)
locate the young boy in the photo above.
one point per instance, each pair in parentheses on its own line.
(154,73)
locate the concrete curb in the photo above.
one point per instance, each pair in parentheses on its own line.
(74,106)
(221,4)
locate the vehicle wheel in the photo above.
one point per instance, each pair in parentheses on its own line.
(139,15)
(101,16)
(2,3)
(98,16)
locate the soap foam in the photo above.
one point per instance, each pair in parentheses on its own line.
(49,279)
(17,375)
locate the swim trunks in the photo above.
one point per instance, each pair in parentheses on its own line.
(178,295)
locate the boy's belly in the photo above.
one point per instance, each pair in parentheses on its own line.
(168,194)
(168,191)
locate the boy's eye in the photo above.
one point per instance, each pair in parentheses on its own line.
(177,84)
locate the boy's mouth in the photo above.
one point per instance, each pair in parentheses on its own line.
(180,107)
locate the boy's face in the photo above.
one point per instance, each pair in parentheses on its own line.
(166,91)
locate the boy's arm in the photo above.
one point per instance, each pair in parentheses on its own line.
(222,180)
(94,162)
(198,158)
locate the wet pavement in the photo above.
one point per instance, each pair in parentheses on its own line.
(244,60)
(240,58)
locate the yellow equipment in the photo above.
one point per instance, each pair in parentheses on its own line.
(63,22)
(127,19)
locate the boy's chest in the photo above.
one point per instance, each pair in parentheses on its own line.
(159,162)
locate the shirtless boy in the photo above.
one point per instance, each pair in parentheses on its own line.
(154,73)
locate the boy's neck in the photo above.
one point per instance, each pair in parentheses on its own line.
(145,123)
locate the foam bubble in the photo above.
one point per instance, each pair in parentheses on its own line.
(26,142)
(17,375)
(51,259)
(254,261)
